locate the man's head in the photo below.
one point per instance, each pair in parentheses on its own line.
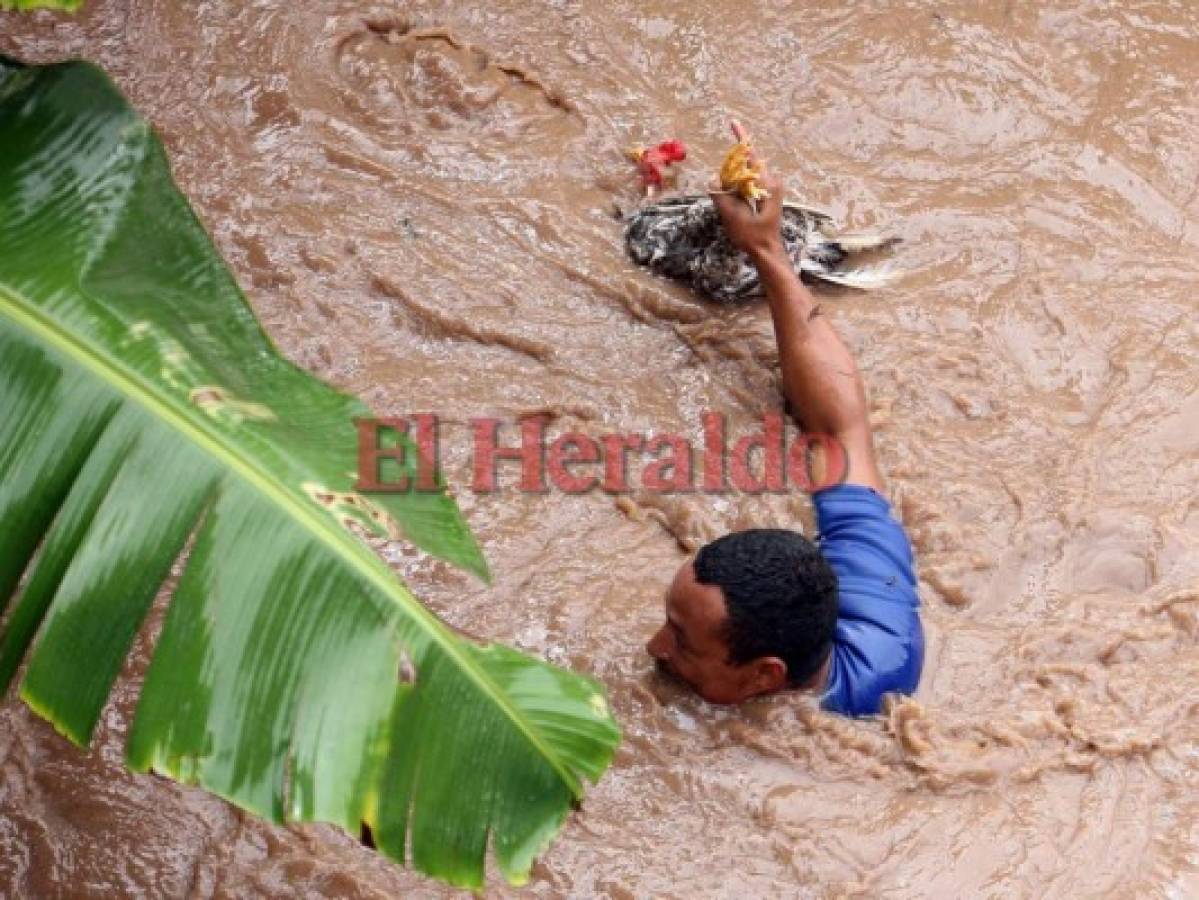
(753,612)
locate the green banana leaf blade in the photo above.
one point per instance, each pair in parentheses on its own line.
(67,5)
(143,413)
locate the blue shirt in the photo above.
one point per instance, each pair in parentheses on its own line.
(878,646)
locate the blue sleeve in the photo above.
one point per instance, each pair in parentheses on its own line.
(878,646)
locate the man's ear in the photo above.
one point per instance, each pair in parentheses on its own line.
(769,675)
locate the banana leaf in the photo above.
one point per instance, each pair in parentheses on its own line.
(67,5)
(146,419)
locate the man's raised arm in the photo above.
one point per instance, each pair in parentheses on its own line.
(820,378)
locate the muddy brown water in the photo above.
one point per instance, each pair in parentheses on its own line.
(419,200)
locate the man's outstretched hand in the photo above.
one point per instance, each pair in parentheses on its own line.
(756,232)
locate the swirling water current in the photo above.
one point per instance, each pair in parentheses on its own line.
(421,201)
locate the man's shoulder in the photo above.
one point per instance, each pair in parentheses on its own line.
(860,536)
(878,645)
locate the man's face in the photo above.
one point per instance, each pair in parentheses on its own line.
(692,644)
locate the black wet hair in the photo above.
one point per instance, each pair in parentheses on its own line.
(781,596)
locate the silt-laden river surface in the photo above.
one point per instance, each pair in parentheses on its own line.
(421,201)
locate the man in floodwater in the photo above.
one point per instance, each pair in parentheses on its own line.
(766,609)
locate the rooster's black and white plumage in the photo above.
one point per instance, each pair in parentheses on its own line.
(682,238)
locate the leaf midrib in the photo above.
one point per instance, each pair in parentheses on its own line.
(133,386)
